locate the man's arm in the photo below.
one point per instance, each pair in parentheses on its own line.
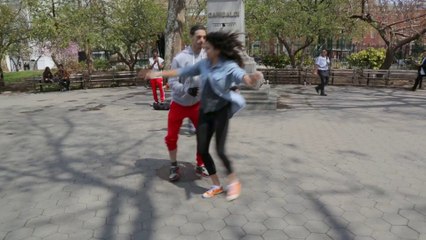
(188,71)
(316,66)
(160,63)
(174,83)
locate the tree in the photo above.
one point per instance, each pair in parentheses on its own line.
(174,29)
(48,27)
(59,25)
(132,28)
(86,20)
(296,23)
(398,23)
(13,29)
(195,14)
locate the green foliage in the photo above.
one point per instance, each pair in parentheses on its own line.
(13,28)
(276,61)
(101,64)
(418,48)
(13,77)
(370,58)
(283,61)
(297,23)
(132,27)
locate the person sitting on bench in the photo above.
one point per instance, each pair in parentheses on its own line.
(63,77)
(47,75)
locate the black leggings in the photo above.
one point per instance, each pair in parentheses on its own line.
(65,83)
(209,123)
(419,80)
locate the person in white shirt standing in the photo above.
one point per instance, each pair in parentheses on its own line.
(322,68)
(156,63)
(421,73)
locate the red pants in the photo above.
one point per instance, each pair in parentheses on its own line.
(157,82)
(177,114)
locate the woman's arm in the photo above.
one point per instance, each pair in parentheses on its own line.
(239,75)
(189,71)
(167,73)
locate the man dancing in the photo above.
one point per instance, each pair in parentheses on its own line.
(185,99)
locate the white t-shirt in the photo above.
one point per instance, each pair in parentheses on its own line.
(422,71)
(155,68)
(322,63)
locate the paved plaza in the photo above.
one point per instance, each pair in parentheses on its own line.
(92,164)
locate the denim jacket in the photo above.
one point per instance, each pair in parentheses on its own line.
(221,77)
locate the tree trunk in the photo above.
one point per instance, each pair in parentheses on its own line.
(2,84)
(16,64)
(292,59)
(36,63)
(55,60)
(390,54)
(174,29)
(132,66)
(89,58)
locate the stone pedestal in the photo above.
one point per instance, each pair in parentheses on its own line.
(229,15)
(250,67)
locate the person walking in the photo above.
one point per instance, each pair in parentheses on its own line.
(421,73)
(185,99)
(218,73)
(322,68)
(156,63)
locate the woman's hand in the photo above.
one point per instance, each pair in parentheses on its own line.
(152,74)
(253,79)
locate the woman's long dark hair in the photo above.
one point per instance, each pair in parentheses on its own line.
(228,44)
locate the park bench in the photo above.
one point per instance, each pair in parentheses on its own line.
(362,77)
(38,84)
(342,77)
(402,77)
(113,79)
(282,76)
(387,77)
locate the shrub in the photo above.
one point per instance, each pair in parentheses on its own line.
(282,61)
(74,66)
(276,61)
(101,64)
(370,58)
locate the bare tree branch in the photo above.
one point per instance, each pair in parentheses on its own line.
(405,20)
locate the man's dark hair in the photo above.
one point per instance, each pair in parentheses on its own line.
(154,51)
(196,28)
(60,65)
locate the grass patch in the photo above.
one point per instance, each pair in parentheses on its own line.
(15,77)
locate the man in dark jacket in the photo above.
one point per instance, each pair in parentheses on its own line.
(421,74)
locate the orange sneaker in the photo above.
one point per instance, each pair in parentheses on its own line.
(213,191)
(233,191)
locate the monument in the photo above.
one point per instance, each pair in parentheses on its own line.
(229,15)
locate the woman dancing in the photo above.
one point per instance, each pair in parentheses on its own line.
(219,73)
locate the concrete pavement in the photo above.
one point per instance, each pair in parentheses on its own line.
(92,164)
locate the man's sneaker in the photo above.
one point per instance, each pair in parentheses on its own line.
(233,191)
(213,191)
(201,171)
(174,174)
